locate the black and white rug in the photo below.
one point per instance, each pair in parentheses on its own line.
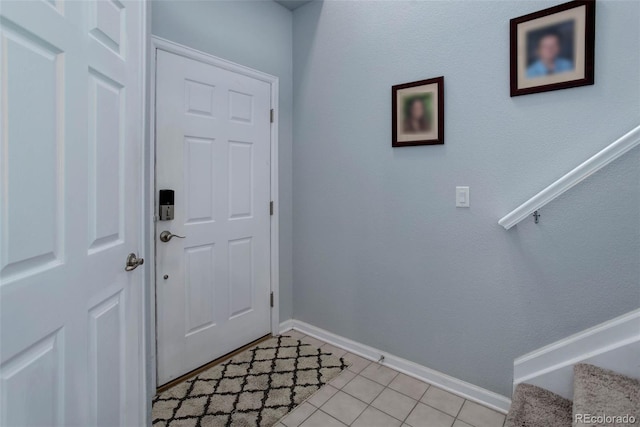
(254,388)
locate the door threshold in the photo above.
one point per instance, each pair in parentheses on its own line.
(210,364)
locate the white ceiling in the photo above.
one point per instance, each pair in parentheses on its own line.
(292,4)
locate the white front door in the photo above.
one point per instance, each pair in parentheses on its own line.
(70,212)
(213,150)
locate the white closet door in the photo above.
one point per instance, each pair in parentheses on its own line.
(70,213)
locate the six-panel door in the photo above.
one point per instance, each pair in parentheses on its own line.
(72,117)
(213,150)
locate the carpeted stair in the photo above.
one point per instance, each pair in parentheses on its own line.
(600,397)
(533,406)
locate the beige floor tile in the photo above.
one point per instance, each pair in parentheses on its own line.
(320,419)
(363,388)
(379,373)
(443,400)
(395,404)
(320,397)
(298,415)
(459,423)
(426,416)
(410,386)
(336,351)
(356,363)
(480,416)
(312,341)
(342,379)
(344,407)
(297,335)
(371,417)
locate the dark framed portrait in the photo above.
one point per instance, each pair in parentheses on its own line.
(553,48)
(418,113)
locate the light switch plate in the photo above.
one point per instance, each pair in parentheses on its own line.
(462,197)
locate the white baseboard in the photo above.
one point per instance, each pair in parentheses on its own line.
(285,326)
(614,345)
(461,388)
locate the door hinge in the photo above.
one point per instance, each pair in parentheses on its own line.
(271,114)
(271,299)
(271,207)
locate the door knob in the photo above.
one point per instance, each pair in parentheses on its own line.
(165,236)
(133,262)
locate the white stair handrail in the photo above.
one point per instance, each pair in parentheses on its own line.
(605,156)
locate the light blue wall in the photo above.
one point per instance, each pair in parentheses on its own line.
(381,254)
(256,34)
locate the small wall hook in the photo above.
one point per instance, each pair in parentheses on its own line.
(536,216)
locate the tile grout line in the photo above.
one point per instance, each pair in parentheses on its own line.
(304,419)
(403,421)
(416,405)
(328,414)
(378,395)
(459,411)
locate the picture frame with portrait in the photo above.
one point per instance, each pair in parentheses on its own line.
(553,48)
(418,113)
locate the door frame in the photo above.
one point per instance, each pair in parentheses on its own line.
(159,43)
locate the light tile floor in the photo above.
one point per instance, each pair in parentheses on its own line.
(371,395)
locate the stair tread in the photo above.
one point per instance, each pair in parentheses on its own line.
(599,391)
(533,406)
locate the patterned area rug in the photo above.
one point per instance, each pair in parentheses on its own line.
(255,388)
